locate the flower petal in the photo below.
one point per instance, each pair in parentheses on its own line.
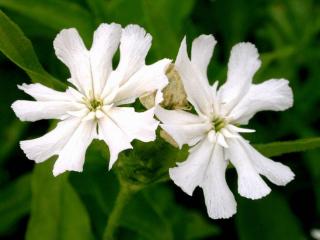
(134,46)
(36,110)
(184,127)
(221,140)
(243,64)
(136,125)
(275,95)
(276,172)
(177,116)
(105,43)
(146,80)
(189,174)
(219,199)
(201,53)
(196,86)
(250,184)
(71,50)
(43,93)
(42,148)
(72,155)
(116,139)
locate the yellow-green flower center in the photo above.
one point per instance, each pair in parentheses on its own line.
(94,104)
(219,123)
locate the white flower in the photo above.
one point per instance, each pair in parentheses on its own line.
(315,233)
(92,109)
(214,132)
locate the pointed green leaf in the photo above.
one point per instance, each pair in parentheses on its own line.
(56,210)
(279,148)
(18,48)
(15,202)
(54,14)
(267,219)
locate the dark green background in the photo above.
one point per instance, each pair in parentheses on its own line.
(76,206)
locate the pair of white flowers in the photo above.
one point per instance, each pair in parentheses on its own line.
(93,109)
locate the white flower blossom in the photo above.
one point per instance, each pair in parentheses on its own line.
(214,131)
(92,108)
(315,233)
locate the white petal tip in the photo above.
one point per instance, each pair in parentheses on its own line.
(285,176)
(17,110)
(221,206)
(26,148)
(112,161)
(176,177)
(223,214)
(57,171)
(255,193)
(252,186)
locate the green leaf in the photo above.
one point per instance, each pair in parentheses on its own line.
(279,148)
(15,202)
(165,21)
(185,223)
(56,211)
(98,7)
(267,219)
(15,46)
(54,14)
(11,128)
(12,134)
(153,227)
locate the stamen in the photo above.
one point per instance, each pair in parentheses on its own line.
(93,104)
(219,123)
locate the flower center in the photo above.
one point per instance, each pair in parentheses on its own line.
(218,123)
(94,104)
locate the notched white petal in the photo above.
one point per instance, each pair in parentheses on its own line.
(219,199)
(147,79)
(136,125)
(72,155)
(189,174)
(71,50)
(183,127)
(250,184)
(195,84)
(201,52)
(276,172)
(105,43)
(274,95)
(186,134)
(116,139)
(42,148)
(36,110)
(134,46)
(42,93)
(243,64)
(177,116)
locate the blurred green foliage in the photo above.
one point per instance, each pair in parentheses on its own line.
(35,205)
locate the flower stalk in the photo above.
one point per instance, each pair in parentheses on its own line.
(124,196)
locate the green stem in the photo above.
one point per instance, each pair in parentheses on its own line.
(123,198)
